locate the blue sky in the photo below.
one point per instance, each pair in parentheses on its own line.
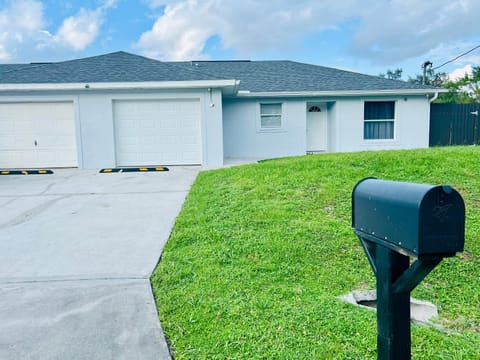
(368,36)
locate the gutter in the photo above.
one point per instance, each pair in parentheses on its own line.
(341,93)
(231,85)
(434,98)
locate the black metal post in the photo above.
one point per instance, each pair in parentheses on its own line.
(393,309)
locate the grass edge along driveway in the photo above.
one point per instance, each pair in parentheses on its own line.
(260,254)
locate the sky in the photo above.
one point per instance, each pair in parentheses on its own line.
(367,36)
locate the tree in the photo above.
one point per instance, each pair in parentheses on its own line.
(393,75)
(464,90)
(432,78)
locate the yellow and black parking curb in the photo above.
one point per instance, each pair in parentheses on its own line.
(133,169)
(105,171)
(26,172)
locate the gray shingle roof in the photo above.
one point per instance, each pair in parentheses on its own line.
(254,76)
(115,67)
(290,76)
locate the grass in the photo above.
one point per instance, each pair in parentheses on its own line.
(260,254)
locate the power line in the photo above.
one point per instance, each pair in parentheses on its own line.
(458,57)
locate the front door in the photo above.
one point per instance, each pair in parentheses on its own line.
(317,128)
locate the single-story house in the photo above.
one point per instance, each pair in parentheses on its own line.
(121,109)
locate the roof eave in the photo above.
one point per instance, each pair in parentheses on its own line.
(340,93)
(229,87)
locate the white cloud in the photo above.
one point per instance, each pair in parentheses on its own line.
(19,21)
(248,26)
(80,30)
(460,73)
(402,29)
(23,33)
(388,31)
(178,34)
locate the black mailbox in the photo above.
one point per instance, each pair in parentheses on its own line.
(416,219)
(395,221)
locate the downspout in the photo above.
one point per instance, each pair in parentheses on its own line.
(435,97)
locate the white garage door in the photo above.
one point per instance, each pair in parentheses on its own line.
(157,132)
(35,135)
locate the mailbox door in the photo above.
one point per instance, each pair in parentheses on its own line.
(442,222)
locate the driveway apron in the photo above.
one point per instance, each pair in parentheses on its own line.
(77,249)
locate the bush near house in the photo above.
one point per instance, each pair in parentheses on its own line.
(261,253)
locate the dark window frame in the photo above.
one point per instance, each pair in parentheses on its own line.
(379,120)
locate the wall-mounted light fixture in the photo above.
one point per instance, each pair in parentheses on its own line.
(211,98)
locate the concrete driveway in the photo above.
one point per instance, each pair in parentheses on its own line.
(76,252)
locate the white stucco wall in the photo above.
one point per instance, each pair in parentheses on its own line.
(412,118)
(243,137)
(230,128)
(212,129)
(332,126)
(95,124)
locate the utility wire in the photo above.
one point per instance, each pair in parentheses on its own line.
(458,57)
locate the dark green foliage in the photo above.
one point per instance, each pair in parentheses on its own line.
(465,90)
(393,74)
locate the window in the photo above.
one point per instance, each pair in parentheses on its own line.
(270,116)
(379,119)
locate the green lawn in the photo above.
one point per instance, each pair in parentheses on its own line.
(260,254)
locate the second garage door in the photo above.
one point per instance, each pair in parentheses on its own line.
(157,132)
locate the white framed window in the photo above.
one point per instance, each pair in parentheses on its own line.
(379,120)
(271,116)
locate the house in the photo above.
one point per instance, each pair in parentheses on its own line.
(121,109)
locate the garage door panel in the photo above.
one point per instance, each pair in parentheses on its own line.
(169,123)
(149,141)
(157,132)
(168,140)
(5,125)
(127,141)
(148,124)
(46,156)
(171,157)
(6,142)
(37,135)
(24,126)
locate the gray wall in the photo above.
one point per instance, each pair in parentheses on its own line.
(244,139)
(95,124)
(232,129)
(411,124)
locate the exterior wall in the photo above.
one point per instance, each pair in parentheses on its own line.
(244,139)
(95,117)
(411,124)
(230,126)
(212,129)
(95,124)
(332,126)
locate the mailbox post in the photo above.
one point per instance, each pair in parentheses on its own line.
(397,221)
